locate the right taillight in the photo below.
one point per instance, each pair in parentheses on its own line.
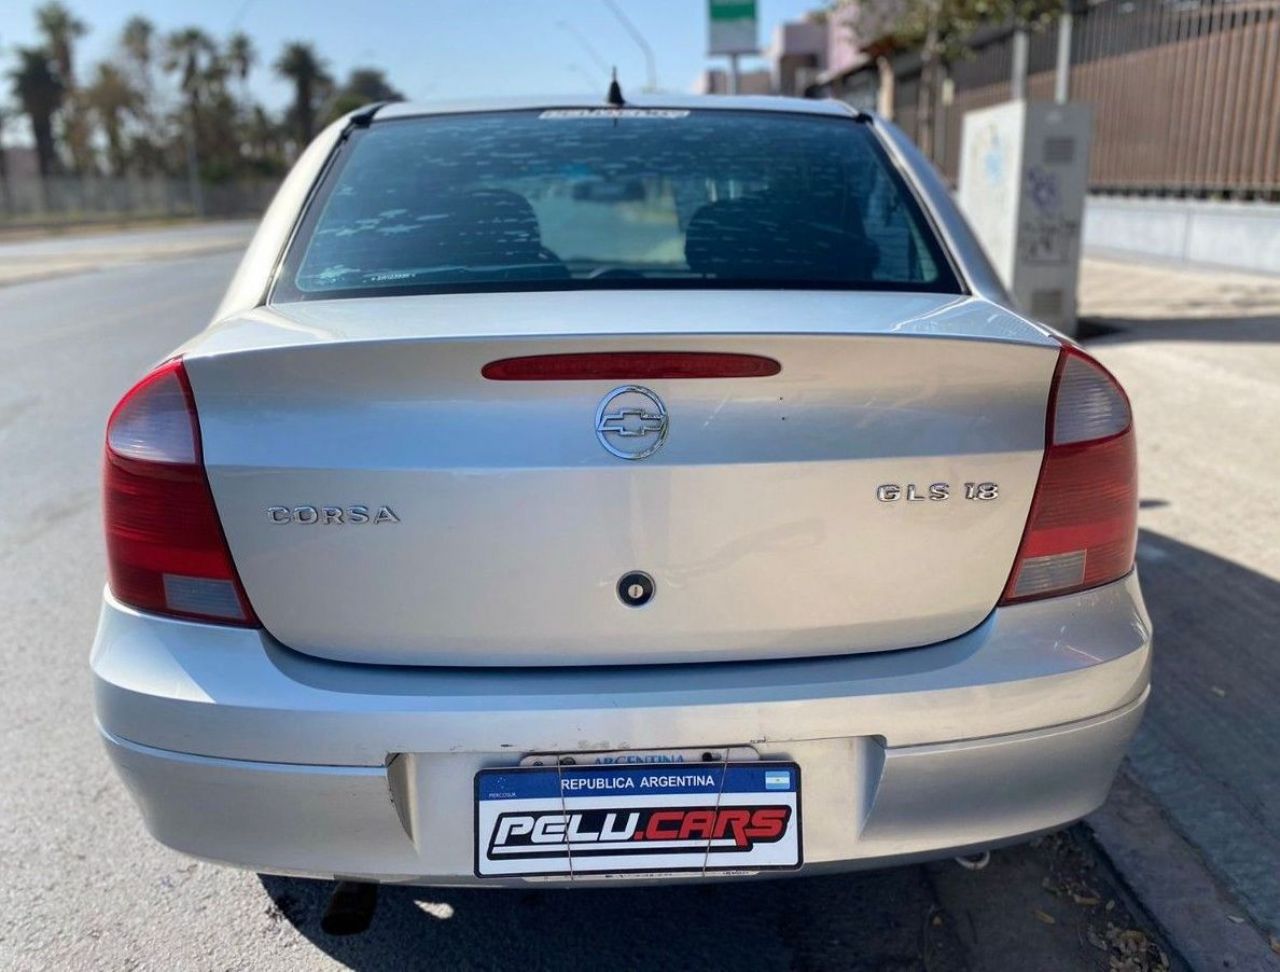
(1083,524)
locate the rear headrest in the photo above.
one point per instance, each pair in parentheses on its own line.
(489,224)
(756,237)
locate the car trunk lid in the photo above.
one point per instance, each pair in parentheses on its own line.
(432,516)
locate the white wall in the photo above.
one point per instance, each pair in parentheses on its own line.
(1239,235)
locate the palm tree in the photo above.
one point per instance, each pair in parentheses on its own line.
(39,91)
(190,52)
(61,29)
(137,39)
(300,64)
(111,97)
(138,46)
(4,161)
(262,134)
(241,56)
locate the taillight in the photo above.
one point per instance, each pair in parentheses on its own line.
(165,548)
(1083,524)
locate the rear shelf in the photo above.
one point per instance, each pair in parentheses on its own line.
(506,525)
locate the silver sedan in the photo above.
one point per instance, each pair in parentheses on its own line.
(573,493)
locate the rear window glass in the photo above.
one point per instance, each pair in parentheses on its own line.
(571,199)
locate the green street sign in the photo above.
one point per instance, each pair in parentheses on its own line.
(733,9)
(731,27)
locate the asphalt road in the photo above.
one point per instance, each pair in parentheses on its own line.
(23,257)
(82,886)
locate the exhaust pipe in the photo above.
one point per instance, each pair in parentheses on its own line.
(350,909)
(974,862)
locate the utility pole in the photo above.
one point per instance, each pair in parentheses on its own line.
(884,90)
(651,68)
(1062,71)
(734,78)
(927,99)
(193,166)
(1018,82)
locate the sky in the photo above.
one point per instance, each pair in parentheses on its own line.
(431,49)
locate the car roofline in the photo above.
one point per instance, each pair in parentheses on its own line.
(800,106)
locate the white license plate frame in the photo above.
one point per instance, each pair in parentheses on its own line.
(588,822)
(691,756)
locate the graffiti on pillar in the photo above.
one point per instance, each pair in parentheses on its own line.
(1047,235)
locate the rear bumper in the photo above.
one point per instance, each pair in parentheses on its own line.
(239,750)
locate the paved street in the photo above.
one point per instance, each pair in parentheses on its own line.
(85,888)
(24,258)
(1200,356)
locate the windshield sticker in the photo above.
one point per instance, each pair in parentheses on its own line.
(560,113)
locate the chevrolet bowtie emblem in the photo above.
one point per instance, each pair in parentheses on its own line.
(631,422)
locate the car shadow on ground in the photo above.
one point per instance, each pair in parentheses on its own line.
(1210,741)
(878,920)
(1053,905)
(1263,329)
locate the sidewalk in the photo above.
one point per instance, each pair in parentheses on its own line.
(1139,291)
(58,254)
(1199,353)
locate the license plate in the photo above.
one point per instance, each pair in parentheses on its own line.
(539,821)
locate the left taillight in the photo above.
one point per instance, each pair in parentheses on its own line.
(166,551)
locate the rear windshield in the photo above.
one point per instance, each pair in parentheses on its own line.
(583,199)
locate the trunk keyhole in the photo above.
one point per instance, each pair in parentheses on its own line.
(635,589)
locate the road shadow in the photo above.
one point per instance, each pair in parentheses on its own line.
(1046,905)
(1210,743)
(877,920)
(1217,663)
(1264,329)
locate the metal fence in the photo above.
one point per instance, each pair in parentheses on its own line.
(31,201)
(1186,94)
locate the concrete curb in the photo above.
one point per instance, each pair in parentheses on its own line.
(1196,915)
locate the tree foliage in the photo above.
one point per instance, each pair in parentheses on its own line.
(113,100)
(61,30)
(40,92)
(177,104)
(312,83)
(241,55)
(137,41)
(942,28)
(363,86)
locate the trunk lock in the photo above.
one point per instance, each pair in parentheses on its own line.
(635,589)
